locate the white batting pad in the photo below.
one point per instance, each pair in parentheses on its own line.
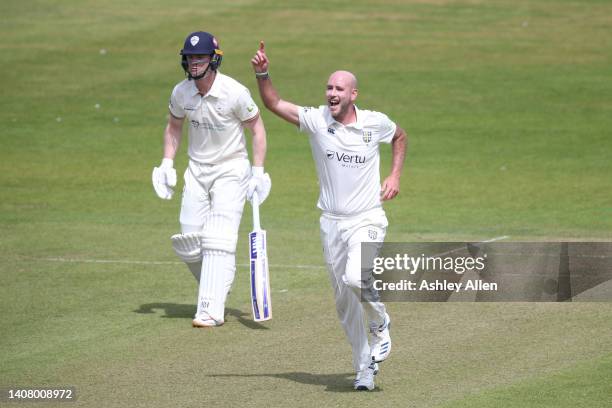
(217,268)
(188,247)
(220,231)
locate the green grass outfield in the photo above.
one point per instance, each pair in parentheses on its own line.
(508,106)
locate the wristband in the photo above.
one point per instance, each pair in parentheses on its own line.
(262,75)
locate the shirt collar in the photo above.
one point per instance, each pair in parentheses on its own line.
(214,91)
(357,124)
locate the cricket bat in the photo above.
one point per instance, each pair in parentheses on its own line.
(261,299)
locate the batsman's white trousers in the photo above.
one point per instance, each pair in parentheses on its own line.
(213,201)
(341,238)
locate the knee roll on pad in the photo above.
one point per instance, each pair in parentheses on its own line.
(221,232)
(188,247)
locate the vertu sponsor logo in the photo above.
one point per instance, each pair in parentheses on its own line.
(344,158)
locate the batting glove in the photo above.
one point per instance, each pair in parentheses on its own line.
(164,179)
(259,182)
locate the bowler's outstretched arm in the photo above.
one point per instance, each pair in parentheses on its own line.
(269,95)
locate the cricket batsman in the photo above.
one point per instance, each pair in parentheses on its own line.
(219,176)
(344,142)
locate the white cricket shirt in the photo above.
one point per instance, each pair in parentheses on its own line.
(216,133)
(347,158)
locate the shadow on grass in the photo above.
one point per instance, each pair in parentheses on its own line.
(332,382)
(182,311)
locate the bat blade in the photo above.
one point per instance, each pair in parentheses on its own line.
(261,299)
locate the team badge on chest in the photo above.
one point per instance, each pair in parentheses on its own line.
(367,136)
(372,234)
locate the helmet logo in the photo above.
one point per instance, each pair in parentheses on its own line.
(215,43)
(194,40)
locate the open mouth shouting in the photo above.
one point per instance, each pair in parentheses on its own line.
(334,104)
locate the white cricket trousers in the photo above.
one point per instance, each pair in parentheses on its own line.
(341,238)
(213,201)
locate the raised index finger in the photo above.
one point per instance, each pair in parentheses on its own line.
(261,46)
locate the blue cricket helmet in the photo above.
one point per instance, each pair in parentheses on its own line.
(201,43)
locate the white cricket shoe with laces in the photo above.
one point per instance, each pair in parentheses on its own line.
(380,346)
(365,378)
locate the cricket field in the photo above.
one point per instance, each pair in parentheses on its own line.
(508,108)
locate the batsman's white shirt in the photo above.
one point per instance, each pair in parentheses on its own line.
(216,133)
(347,158)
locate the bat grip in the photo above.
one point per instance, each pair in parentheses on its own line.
(255,205)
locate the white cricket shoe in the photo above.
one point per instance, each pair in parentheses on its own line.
(205,321)
(380,347)
(365,378)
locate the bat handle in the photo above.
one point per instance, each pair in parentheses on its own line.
(255,205)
